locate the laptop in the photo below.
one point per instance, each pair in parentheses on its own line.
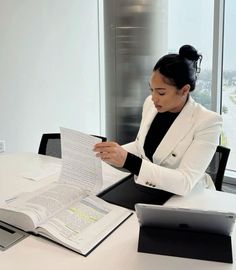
(185,219)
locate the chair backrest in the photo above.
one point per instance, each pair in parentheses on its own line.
(217,166)
(104,139)
(50,144)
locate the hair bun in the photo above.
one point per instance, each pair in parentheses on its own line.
(189,52)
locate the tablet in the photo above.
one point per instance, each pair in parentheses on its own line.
(185,219)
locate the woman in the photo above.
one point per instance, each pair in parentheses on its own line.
(177,137)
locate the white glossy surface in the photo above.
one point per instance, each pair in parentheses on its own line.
(117,252)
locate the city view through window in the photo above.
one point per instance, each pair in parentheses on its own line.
(183,28)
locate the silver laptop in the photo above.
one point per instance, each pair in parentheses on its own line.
(188,219)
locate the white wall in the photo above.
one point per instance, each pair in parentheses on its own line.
(49,69)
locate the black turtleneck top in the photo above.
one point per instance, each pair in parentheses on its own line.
(159,127)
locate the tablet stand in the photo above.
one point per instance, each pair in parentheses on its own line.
(185,243)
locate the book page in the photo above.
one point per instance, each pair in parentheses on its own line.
(79,162)
(40,205)
(84,224)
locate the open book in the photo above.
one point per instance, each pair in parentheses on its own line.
(67,211)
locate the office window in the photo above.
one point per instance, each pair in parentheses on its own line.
(191,22)
(229,83)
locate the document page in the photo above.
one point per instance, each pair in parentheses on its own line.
(41,205)
(79,163)
(84,224)
(46,170)
(111,175)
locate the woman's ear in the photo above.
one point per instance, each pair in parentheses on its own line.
(185,90)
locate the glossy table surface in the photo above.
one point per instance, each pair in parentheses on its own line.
(116,252)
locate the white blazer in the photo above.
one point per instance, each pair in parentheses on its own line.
(182,157)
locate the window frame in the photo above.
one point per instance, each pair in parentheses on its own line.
(217,69)
(217,58)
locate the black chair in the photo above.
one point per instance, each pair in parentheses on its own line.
(217,166)
(50,144)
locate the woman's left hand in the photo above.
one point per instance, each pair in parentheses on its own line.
(111,152)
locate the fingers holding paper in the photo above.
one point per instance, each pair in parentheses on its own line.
(111,152)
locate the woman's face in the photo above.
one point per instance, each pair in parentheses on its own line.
(166,97)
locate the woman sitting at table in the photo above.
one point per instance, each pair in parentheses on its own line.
(177,137)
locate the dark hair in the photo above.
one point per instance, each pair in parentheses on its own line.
(180,69)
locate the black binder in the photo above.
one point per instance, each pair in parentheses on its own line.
(127,193)
(185,243)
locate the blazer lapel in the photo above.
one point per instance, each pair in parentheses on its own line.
(176,132)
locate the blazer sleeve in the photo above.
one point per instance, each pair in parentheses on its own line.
(193,163)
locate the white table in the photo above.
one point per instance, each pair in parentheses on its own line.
(117,252)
